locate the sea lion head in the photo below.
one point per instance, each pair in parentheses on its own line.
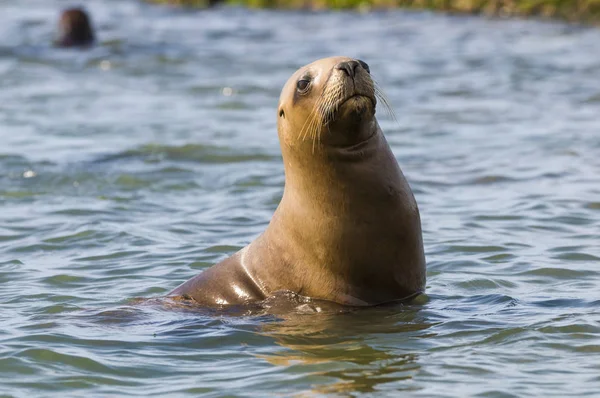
(329,102)
(74,29)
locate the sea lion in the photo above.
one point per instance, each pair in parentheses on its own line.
(74,29)
(347,228)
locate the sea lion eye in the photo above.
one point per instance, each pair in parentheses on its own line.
(303,84)
(364,65)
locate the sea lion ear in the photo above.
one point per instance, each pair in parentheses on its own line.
(281,113)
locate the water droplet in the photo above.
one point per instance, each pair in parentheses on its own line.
(29,174)
(227,91)
(105,65)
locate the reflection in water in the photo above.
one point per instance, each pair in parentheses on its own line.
(346,349)
(338,349)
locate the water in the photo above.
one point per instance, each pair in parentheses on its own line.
(128,169)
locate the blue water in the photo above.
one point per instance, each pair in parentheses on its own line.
(127,169)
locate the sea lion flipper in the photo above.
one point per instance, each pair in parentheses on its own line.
(222,284)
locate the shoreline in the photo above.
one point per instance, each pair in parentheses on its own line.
(582,11)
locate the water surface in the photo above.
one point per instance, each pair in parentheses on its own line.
(128,169)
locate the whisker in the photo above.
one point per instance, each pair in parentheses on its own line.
(307,122)
(315,122)
(318,121)
(310,120)
(385,102)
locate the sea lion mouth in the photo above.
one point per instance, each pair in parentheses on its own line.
(359,97)
(356,104)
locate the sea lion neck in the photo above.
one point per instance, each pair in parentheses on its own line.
(337,141)
(331,172)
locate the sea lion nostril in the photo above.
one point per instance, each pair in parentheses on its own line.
(349,67)
(364,65)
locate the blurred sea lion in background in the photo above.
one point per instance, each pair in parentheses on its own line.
(75,29)
(348,228)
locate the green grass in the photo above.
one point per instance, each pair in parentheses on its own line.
(572,10)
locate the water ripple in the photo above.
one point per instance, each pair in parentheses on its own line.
(129,168)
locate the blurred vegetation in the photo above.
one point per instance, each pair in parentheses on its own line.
(573,10)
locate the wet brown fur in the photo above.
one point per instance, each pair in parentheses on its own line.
(347,228)
(75,29)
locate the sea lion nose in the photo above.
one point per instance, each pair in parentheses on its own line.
(349,67)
